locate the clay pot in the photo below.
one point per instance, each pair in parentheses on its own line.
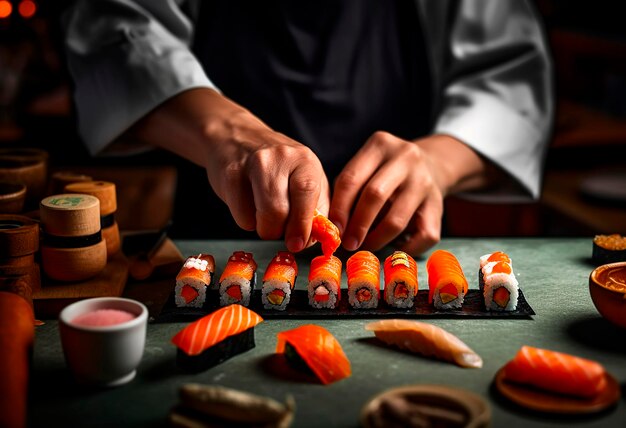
(606,286)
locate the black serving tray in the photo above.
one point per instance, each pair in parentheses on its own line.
(298,308)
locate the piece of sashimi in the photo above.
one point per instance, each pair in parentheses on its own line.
(425,339)
(325,231)
(320,351)
(557,372)
(215,327)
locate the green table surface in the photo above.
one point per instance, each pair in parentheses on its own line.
(553,274)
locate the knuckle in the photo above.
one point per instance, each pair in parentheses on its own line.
(347,180)
(394,224)
(376,193)
(305,185)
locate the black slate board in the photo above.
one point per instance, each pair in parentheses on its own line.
(298,308)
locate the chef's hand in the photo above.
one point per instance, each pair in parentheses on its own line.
(393,190)
(271,183)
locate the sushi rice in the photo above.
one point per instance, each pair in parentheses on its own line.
(271,285)
(494,280)
(322,286)
(244,285)
(355,287)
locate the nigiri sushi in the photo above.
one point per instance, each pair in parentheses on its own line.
(278,281)
(216,337)
(192,281)
(238,279)
(324,231)
(446,282)
(363,271)
(400,280)
(324,282)
(317,349)
(556,372)
(425,339)
(498,283)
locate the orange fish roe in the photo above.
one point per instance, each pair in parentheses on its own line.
(612,242)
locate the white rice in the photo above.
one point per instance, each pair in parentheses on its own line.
(452,304)
(398,303)
(353,287)
(494,281)
(271,285)
(328,287)
(244,285)
(198,285)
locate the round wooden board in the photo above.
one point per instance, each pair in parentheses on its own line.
(549,402)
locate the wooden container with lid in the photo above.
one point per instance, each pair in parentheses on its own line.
(72,247)
(105,192)
(19,241)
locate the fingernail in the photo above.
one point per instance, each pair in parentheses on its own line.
(295,244)
(350,243)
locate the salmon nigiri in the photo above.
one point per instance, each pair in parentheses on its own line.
(324,287)
(446,282)
(363,271)
(318,349)
(324,231)
(556,372)
(216,337)
(279,280)
(400,280)
(425,339)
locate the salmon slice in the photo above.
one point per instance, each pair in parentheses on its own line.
(328,269)
(198,269)
(319,349)
(241,264)
(444,270)
(400,268)
(324,231)
(556,372)
(363,267)
(283,268)
(425,339)
(215,327)
(497,256)
(188,293)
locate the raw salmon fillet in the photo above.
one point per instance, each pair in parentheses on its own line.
(556,372)
(324,231)
(320,351)
(425,339)
(215,327)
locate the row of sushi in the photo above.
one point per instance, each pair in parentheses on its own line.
(446,281)
(229,331)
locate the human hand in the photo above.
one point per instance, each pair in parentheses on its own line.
(389,187)
(271,183)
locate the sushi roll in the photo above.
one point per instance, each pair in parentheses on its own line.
(193,280)
(313,348)
(215,338)
(324,282)
(278,281)
(363,270)
(446,282)
(400,280)
(324,231)
(498,284)
(497,256)
(608,249)
(238,279)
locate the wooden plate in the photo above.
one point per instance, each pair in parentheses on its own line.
(548,402)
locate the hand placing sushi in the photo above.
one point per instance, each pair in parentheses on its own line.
(271,183)
(394,189)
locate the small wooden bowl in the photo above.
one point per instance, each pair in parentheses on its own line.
(60,179)
(31,172)
(608,296)
(12,198)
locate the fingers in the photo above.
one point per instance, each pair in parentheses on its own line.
(304,193)
(427,225)
(239,197)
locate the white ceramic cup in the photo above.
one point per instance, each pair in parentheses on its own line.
(103,355)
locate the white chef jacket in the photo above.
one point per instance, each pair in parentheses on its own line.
(492,76)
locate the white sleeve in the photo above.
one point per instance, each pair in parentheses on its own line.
(126,58)
(497,94)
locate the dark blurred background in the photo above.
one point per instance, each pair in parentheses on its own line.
(585,178)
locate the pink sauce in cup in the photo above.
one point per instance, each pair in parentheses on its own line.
(102,318)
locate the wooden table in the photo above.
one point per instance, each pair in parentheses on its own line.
(552,273)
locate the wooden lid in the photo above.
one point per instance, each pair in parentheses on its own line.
(70,214)
(60,179)
(19,236)
(103,190)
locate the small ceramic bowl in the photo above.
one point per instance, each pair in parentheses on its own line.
(103,355)
(12,197)
(607,286)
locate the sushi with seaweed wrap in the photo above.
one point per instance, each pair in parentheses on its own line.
(193,281)
(363,271)
(608,249)
(215,338)
(446,282)
(324,282)
(238,279)
(401,286)
(312,348)
(279,280)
